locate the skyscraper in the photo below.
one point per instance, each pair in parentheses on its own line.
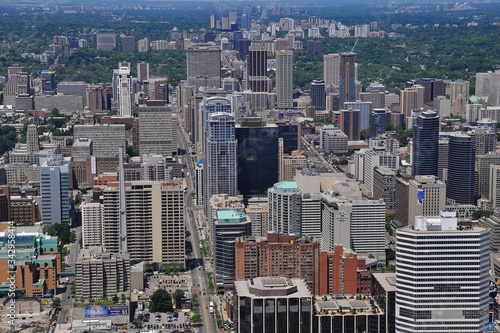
(433,88)
(125,92)
(442,278)
(461,169)
(378,122)
(257,68)
(285,211)
(54,189)
(318,97)
(219,157)
(49,83)
(426,144)
(142,71)
(350,124)
(331,70)
(284,79)
(157,130)
(203,66)
(347,84)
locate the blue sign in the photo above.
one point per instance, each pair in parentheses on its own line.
(96,311)
(117,310)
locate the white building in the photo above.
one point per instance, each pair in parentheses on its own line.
(333,140)
(443,276)
(285,208)
(377,157)
(125,91)
(284,79)
(92,215)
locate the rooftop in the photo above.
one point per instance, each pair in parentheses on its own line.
(231,216)
(265,287)
(287,186)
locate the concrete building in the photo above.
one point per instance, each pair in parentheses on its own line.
(333,140)
(331,70)
(439,242)
(203,66)
(318,96)
(228,227)
(55,177)
(484,141)
(92,216)
(99,99)
(284,305)
(411,99)
(142,71)
(106,139)
(155,221)
(285,208)
(493,223)
(278,255)
(483,163)
(494,195)
(384,294)
(426,196)
(81,149)
(257,211)
(73,88)
(377,157)
(365,109)
(384,181)
(100,273)
(347,80)
(284,79)
(311,215)
(157,130)
(257,68)
(143,45)
(125,92)
(128,43)
(401,202)
(378,122)
(350,123)
(106,39)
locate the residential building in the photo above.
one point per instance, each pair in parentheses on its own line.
(257,211)
(433,88)
(461,178)
(311,215)
(338,271)
(483,163)
(92,216)
(331,70)
(142,71)
(440,244)
(384,181)
(377,157)
(494,185)
(285,208)
(426,144)
(284,79)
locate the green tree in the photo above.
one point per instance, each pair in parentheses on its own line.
(132,151)
(137,323)
(73,288)
(115,299)
(196,319)
(56,303)
(481,213)
(160,301)
(55,113)
(178,295)
(61,230)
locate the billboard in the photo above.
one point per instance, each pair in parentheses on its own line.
(420,196)
(117,310)
(96,311)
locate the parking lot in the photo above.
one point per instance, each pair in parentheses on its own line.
(164,322)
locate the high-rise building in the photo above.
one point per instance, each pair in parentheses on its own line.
(460,90)
(426,196)
(257,156)
(426,144)
(285,211)
(318,97)
(220,163)
(99,98)
(384,181)
(484,141)
(125,92)
(365,108)
(54,189)
(49,84)
(157,130)
(483,163)
(333,140)
(350,123)
(143,45)
(433,88)
(377,157)
(494,194)
(143,71)
(311,215)
(277,304)
(128,43)
(106,39)
(257,68)
(426,298)
(331,70)
(203,66)
(461,169)
(376,97)
(284,79)
(378,122)
(106,139)
(442,158)
(258,212)
(92,215)
(228,227)
(347,84)
(401,202)
(411,99)
(155,221)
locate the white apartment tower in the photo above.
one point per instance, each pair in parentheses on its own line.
(331,70)
(284,79)
(443,276)
(125,91)
(92,214)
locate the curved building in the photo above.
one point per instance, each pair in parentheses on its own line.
(461,169)
(285,208)
(426,144)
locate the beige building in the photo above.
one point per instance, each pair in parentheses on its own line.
(495,185)
(426,197)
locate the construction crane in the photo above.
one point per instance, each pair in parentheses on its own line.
(354,45)
(206,76)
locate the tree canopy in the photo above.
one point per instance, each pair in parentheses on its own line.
(161,301)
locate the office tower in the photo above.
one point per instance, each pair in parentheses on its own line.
(74,88)
(426,144)
(125,92)
(19,83)
(350,123)
(33,143)
(442,158)
(257,68)
(365,109)
(461,169)
(143,45)
(291,258)
(377,157)
(154,168)
(106,139)
(220,161)
(318,97)
(401,202)
(284,79)
(488,85)
(244,48)
(411,99)
(356,224)
(54,189)
(161,91)
(100,273)
(311,215)
(128,43)
(99,98)
(154,218)
(277,304)
(494,194)
(332,140)
(228,227)
(92,215)
(426,196)
(257,156)
(143,71)
(384,181)
(484,141)
(459,90)
(347,84)
(246,19)
(483,170)
(290,135)
(378,122)
(157,130)
(203,66)
(285,208)
(433,88)
(212,21)
(49,84)
(377,98)
(426,298)
(106,39)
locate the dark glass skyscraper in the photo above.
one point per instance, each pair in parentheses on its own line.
(318,97)
(461,175)
(378,120)
(257,157)
(426,144)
